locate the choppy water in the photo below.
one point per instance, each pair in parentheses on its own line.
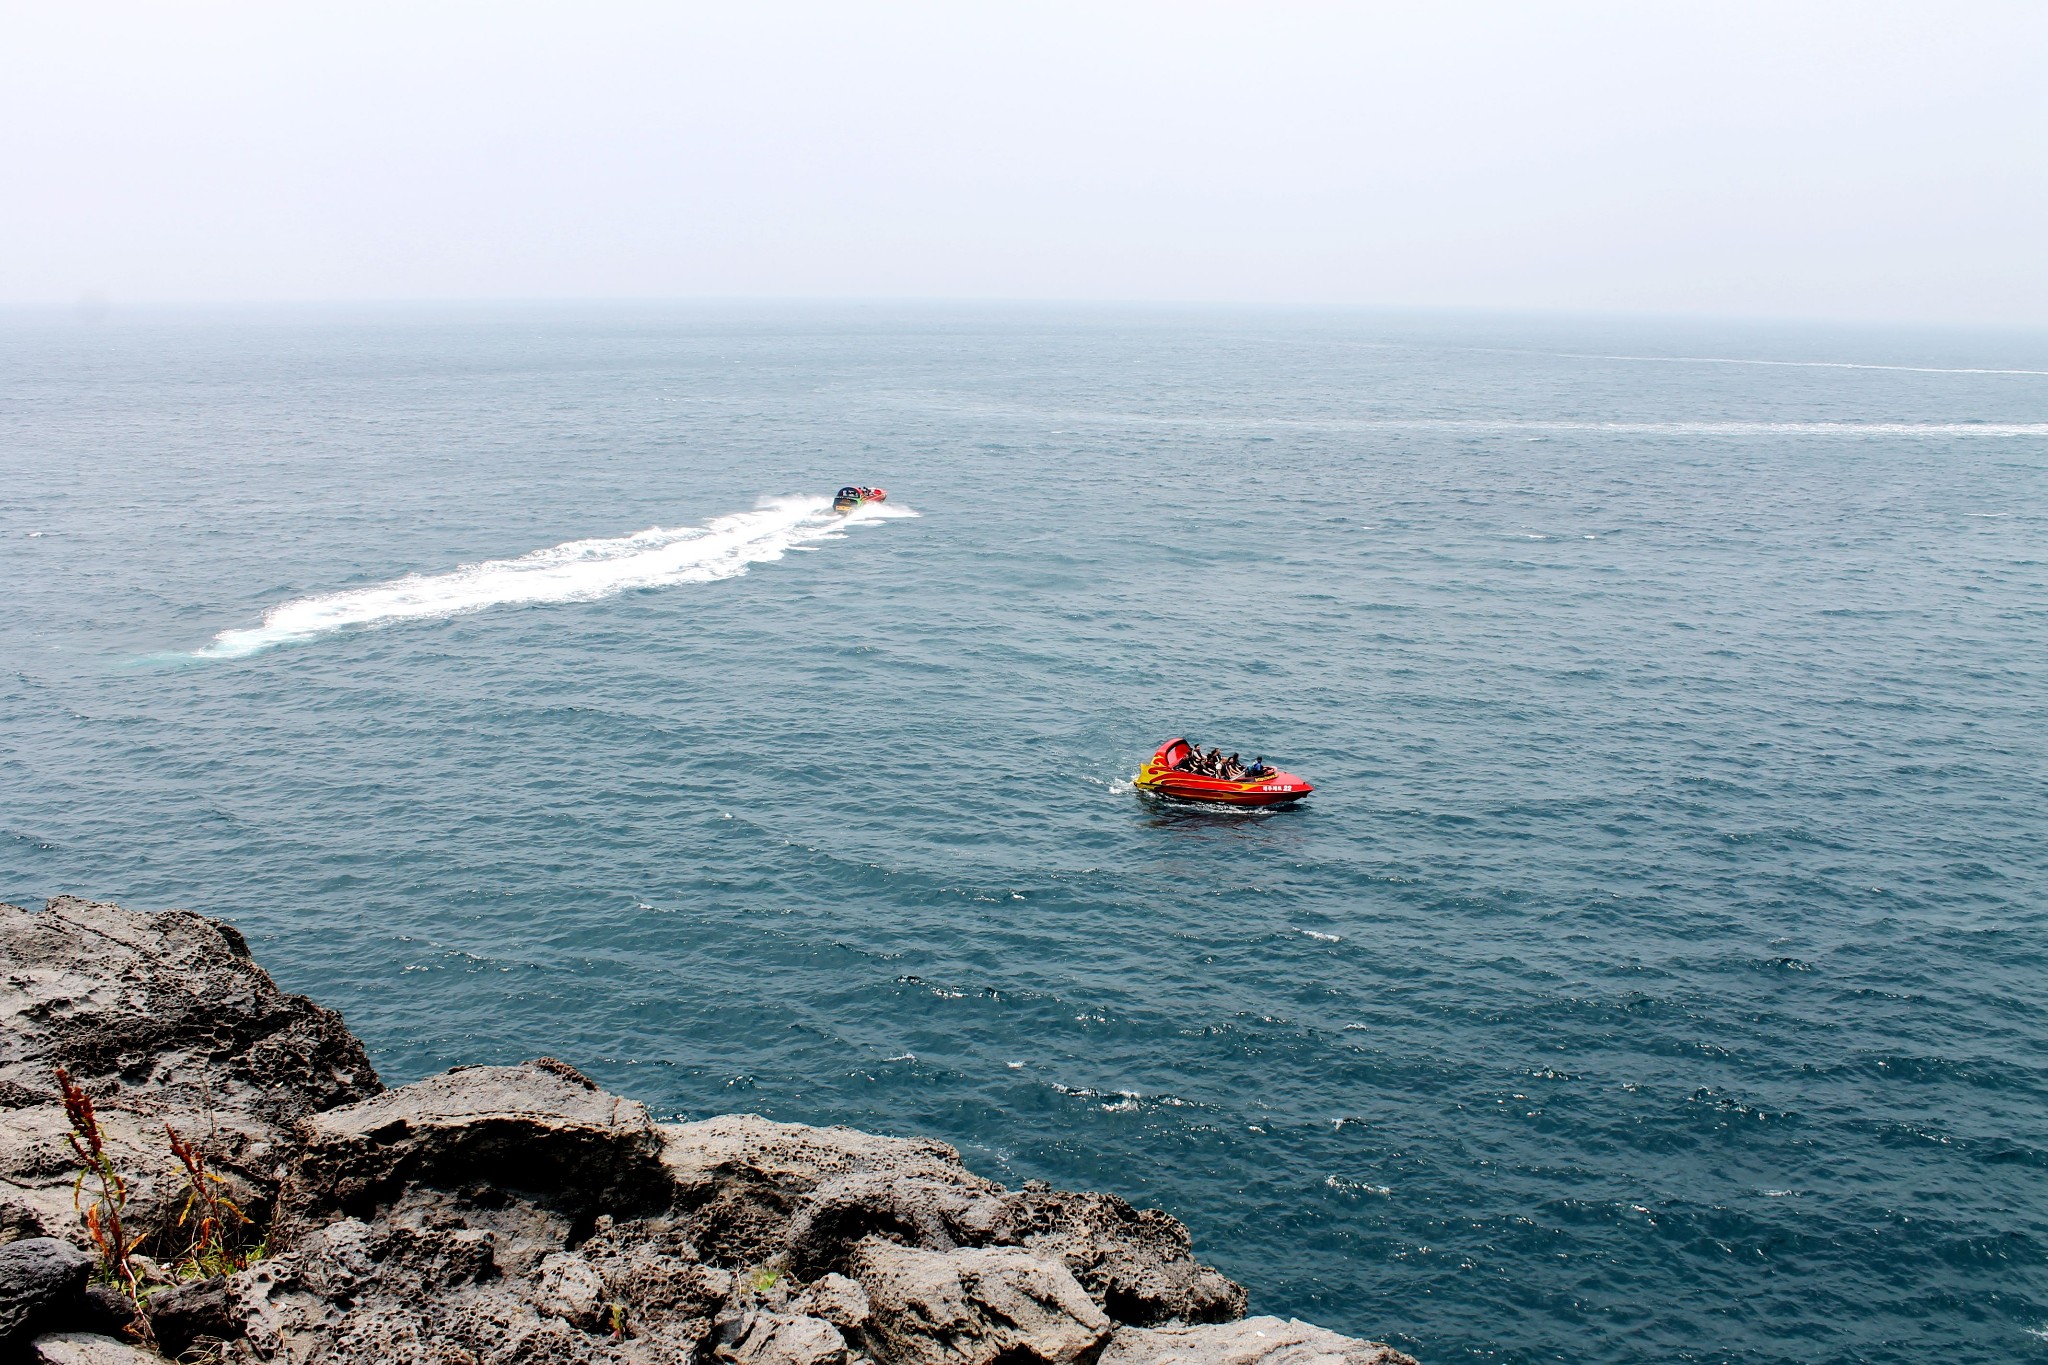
(1658,973)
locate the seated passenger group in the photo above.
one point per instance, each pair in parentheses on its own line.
(1214,764)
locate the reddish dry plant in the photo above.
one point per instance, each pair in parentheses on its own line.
(211,1250)
(103,1221)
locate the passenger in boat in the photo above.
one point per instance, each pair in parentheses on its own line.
(1258,768)
(1233,769)
(1213,766)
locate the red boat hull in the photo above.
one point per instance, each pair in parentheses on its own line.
(850,498)
(1161,778)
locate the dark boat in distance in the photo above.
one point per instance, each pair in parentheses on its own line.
(853,496)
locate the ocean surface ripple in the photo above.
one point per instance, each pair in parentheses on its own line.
(1657,974)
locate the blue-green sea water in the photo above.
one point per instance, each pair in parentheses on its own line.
(1659,972)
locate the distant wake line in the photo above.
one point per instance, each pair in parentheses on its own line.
(1726,427)
(1795,364)
(1748,360)
(1538,424)
(577,571)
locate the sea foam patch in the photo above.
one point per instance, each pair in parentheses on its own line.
(575,571)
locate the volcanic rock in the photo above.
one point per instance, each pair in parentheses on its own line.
(38,1277)
(836,1299)
(539,1142)
(784,1339)
(1137,1263)
(521,1215)
(757,1189)
(184,1315)
(161,1018)
(1252,1341)
(974,1306)
(88,1348)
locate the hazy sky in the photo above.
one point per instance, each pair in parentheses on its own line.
(1859,160)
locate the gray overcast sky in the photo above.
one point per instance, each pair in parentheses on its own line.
(1850,160)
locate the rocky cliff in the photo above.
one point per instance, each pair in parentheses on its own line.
(514,1214)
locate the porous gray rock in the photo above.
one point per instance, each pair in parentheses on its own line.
(184,1315)
(1250,1341)
(568,1287)
(783,1339)
(974,1306)
(807,1196)
(1139,1264)
(756,1190)
(355,1291)
(161,1018)
(836,1299)
(660,1287)
(931,1214)
(539,1140)
(39,1278)
(89,1348)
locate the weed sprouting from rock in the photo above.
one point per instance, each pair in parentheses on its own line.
(216,1221)
(100,1194)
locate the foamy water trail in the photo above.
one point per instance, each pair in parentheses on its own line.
(1751,360)
(1793,364)
(1734,427)
(577,571)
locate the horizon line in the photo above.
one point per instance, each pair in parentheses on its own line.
(93,308)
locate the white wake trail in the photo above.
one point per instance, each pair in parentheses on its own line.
(1794,364)
(577,571)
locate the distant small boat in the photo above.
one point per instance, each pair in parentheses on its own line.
(1163,775)
(851,497)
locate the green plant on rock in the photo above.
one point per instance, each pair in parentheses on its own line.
(216,1222)
(100,1194)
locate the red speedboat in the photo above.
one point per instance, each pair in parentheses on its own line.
(853,496)
(1162,775)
